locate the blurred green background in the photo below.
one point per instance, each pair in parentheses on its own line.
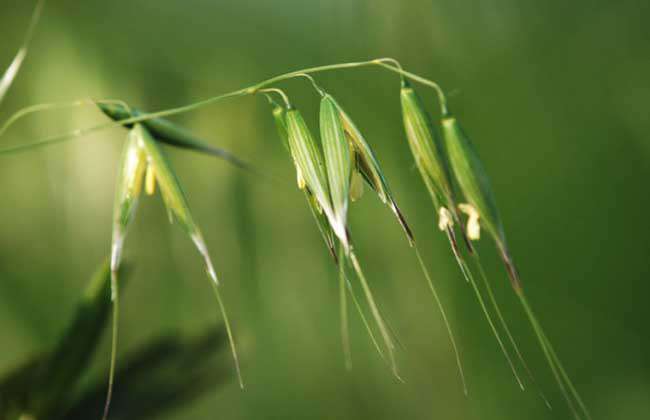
(554,94)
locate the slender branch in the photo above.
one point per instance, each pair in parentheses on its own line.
(240,92)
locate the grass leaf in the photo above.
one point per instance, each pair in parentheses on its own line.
(172,134)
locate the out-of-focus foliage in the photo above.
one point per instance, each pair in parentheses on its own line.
(553,94)
(161,375)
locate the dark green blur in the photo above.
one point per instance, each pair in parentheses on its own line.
(553,94)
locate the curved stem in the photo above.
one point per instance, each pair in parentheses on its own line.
(52,106)
(280,92)
(320,91)
(441,95)
(236,93)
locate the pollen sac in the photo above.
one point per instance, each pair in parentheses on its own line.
(150,180)
(445,219)
(473,225)
(129,187)
(426,147)
(337,158)
(472,180)
(367,166)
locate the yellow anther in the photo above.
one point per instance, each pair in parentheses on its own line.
(473,225)
(445,219)
(150,180)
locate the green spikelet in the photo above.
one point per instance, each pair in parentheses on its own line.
(279,116)
(475,187)
(427,148)
(472,178)
(337,161)
(129,187)
(309,164)
(367,166)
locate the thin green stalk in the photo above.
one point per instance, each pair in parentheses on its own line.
(442,99)
(231,339)
(115,297)
(89,130)
(444,317)
(345,326)
(6,80)
(52,106)
(236,93)
(470,278)
(505,327)
(366,324)
(566,378)
(280,92)
(390,346)
(559,373)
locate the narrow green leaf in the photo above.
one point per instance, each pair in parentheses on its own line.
(41,388)
(169,133)
(337,159)
(162,375)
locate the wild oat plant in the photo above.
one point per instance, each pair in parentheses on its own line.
(331,169)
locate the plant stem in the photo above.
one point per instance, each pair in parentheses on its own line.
(236,93)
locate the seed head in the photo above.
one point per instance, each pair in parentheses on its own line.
(308,160)
(472,181)
(279,116)
(427,148)
(142,155)
(366,166)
